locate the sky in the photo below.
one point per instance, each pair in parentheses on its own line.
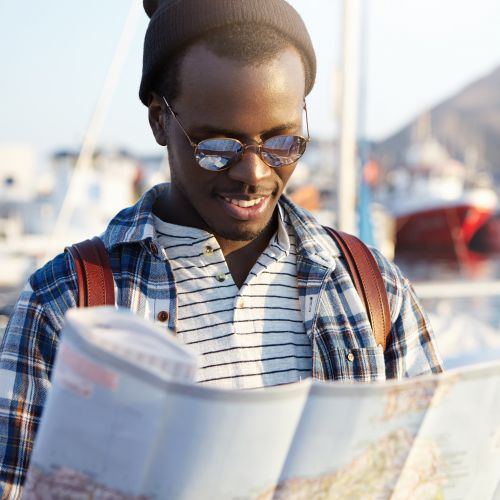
(55,54)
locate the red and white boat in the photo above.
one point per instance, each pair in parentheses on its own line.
(447,228)
(439,204)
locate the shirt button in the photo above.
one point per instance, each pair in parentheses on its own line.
(208,250)
(220,277)
(162,316)
(350,357)
(240,304)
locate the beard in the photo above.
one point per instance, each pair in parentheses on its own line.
(241,234)
(237,231)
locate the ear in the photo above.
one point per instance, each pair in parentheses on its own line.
(157,118)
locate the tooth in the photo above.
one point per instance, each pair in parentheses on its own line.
(244,203)
(249,203)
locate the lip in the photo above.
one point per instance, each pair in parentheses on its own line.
(244,213)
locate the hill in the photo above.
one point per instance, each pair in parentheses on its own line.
(467,124)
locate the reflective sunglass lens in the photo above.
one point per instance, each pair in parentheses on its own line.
(278,151)
(217,154)
(283,150)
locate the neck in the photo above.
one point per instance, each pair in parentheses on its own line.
(255,246)
(241,256)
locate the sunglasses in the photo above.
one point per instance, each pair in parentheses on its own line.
(219,154)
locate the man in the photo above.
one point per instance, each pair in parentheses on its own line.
(250,282)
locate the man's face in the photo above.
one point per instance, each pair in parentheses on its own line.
(220,97)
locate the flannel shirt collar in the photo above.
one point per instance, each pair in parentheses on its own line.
(135,224)
(312,239)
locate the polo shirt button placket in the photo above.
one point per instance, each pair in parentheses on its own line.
(240,314)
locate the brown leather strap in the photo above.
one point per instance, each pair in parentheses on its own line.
(367,279)
(93,271)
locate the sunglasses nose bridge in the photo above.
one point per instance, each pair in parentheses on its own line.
(257,149)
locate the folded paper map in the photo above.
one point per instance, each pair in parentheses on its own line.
(124,420)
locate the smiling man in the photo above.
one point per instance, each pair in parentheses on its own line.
(249,281)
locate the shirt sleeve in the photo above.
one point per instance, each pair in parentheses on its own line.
(26,356)
(411,349)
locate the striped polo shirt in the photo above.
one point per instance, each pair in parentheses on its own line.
(245,338)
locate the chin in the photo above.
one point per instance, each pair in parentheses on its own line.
(234,230)
(239,233)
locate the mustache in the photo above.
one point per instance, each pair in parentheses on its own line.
(248,192)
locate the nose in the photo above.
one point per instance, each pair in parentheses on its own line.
(250,169)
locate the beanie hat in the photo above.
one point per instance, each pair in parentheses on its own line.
(174,24)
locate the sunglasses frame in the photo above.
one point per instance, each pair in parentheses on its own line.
(258,147)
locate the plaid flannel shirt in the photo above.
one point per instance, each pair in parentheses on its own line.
(343,345)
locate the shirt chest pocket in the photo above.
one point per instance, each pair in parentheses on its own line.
(344,345)
(359,364)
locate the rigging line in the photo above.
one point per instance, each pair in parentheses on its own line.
(84,160)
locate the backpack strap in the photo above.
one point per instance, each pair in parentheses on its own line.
(93,271)
(368,281)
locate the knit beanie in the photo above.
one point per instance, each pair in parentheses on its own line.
(174,24)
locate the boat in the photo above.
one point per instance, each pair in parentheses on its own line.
(448,228)
(440,204)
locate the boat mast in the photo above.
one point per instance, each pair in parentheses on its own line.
(348,166)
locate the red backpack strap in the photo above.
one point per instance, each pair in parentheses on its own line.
(368,281)
(96,286)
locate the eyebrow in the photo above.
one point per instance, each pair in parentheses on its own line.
(215,131)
